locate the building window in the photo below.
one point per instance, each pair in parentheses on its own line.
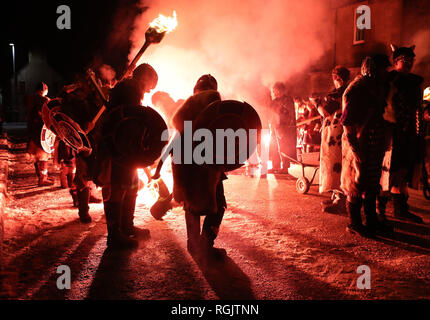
(358,33)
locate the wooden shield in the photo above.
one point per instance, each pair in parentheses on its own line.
(133,135)
(236,130)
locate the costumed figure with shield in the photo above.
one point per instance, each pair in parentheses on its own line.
(127,138)
(34,127)
(200,186)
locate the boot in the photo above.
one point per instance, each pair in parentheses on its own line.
(36,167)
(338,204)
(63,177)
(70,177)
(328,202)
(382,223)
(209,233)
(382,207)
(83,197)
(116,240)
(43,174)
(93,195)
(127,216)
(370,213)
(192,222)
(354,212)
(401,209)
(74,193)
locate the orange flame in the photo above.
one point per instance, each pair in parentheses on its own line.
(164,24)
(148,193)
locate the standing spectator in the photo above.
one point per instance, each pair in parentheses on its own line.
(406,103)
(34,126)
(364,143)
(284,126)
(331,142)
(426,130)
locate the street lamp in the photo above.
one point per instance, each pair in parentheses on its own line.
(14,76)
(13,58)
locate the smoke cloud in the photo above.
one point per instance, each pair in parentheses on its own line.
(422,51)
(245,45)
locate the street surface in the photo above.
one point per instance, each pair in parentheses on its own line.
(279,244)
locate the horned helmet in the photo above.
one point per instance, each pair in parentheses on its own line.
(404,55)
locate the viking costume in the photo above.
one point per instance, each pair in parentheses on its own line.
(120,181)
(364,143)
(283,107)
(331,143)
(426,131)
(199,187)
(81,103)
(34,127)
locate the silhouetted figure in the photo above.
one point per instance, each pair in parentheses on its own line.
(165,104)
(81,103)
(364,142)
(331,142)
(34,126)
(200,188)
(120,192)
(284,131)
(406,102)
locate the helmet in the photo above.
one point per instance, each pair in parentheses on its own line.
(402,51)
(206,82)
(145,72)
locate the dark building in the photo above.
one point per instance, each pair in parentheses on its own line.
(400,22)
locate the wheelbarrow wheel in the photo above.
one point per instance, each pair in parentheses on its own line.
(302,185)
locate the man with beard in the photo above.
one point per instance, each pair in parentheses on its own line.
(120,183)
(200,188)
(364,142)
(406,100)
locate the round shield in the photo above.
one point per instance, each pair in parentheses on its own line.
(133,135)
(71,133)
(64,127)
(236,130)
(48,109)
(47,139)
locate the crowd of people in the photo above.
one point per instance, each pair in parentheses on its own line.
(368,131)
(371,139)
(81,172)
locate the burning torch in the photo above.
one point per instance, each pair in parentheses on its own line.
(154,34)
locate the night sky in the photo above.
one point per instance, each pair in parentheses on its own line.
(99,34)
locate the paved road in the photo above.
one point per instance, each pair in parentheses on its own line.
(279,243)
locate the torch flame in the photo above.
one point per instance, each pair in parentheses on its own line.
(164,24)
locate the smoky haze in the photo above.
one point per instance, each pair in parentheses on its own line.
(422,51)
(245,45)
